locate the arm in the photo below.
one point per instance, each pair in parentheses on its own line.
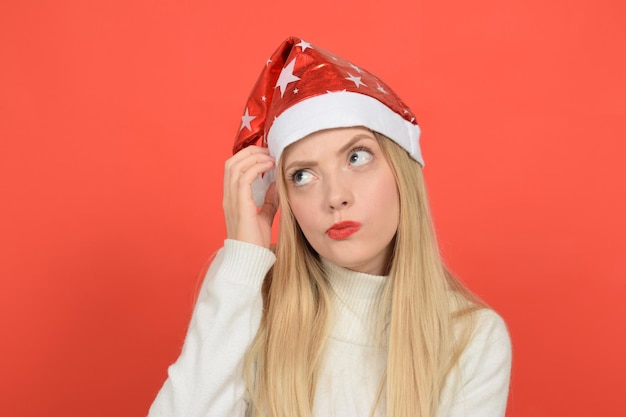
(484,371)
(207,378)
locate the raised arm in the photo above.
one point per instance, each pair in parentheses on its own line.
(207,379)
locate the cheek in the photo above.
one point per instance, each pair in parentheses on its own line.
(388,210)
(385,192)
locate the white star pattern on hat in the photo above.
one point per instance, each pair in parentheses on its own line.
(286,76)
(304,44)
(246,119)
(356,80)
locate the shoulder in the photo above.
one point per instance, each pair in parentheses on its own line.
(485,364)
(489,342)
(479,384)
(489,325)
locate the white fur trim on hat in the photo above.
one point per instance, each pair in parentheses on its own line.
(341,109)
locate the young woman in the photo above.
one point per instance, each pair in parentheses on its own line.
(353,313)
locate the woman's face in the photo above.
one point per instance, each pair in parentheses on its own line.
(343,194)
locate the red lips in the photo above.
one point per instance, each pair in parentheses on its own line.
(343,230)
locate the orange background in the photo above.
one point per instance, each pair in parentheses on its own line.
(116,117)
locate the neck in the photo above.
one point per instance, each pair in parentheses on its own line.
(355,298)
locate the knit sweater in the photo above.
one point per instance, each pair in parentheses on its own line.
(207,379)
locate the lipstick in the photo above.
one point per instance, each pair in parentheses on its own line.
(343,230)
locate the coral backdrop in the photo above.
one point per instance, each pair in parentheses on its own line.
(116,117)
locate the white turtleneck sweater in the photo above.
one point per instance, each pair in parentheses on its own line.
(207,379)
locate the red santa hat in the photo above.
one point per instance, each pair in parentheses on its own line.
(304,89)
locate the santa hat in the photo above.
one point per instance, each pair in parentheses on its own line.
(304,89)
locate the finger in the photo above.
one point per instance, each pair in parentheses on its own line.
(233,165)
(245,180)
(238,184)
(256,162)
(245,153)
(249,150)
(249,172)
(242,161)
(237,181)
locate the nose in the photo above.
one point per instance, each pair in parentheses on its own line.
(339,193)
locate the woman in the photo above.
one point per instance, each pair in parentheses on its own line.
(354,314)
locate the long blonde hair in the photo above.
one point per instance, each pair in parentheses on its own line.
(424,313)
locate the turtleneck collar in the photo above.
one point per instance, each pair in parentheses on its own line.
(355,301)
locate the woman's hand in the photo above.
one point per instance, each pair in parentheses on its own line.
(243,221)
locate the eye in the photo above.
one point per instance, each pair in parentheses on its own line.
(360,157)
(300,177)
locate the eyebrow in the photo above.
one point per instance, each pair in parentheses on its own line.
(344,148)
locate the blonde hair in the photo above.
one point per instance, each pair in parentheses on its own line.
(424,320)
